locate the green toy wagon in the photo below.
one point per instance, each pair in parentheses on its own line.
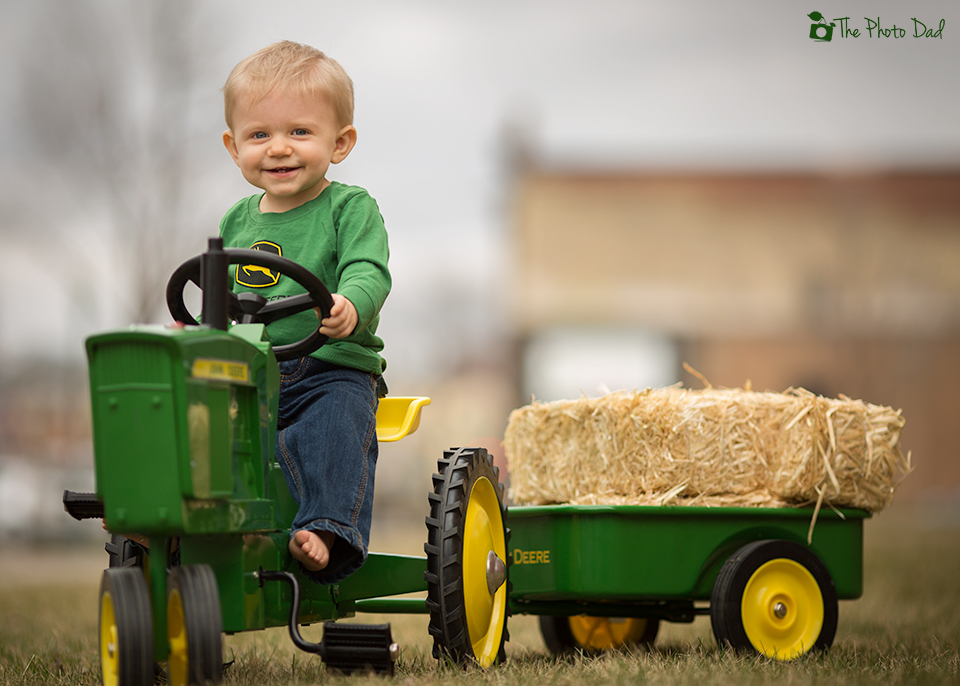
(184,426)
(602,577)
(605,571)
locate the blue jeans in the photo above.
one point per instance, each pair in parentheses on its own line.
(327,449)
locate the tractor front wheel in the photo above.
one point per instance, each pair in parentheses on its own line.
(126,628)
(194,626)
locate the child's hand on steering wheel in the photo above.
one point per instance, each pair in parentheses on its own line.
(343,318)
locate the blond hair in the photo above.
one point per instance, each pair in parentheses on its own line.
(289,66)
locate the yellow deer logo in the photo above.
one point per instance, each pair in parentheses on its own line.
(255,276)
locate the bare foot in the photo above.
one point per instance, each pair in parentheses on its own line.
(311,548)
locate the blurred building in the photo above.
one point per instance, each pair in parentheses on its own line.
(842,284)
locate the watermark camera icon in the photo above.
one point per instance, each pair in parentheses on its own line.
(821,31)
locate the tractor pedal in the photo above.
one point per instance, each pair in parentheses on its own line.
(351,648)
(82,505)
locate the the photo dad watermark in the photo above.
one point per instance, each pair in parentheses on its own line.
(823,31)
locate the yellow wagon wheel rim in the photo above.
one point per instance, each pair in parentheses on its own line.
(782,609)
(606,633)
(483,533)
(178,661)
(109,655)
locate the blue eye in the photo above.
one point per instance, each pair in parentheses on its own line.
(300,132)
(259,134)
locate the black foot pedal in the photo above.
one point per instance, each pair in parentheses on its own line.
(82,505)
(351,648)
(346,648)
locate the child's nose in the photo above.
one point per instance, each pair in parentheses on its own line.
(279,148)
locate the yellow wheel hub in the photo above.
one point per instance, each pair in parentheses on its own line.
(483,533)
(606,633)
(178,662)
(782,609)
(108,642)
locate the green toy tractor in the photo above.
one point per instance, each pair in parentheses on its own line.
(184,428)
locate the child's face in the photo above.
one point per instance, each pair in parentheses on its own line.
(284,144)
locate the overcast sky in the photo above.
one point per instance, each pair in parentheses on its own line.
(598,83)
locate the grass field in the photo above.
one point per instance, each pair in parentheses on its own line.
(905,630)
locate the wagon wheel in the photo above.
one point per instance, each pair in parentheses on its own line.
(466,559)
(126,628)
(596,634)
(776,598)
(194,626)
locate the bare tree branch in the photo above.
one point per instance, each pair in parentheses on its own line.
(107,105)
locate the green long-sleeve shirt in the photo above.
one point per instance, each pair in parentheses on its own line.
(340,237)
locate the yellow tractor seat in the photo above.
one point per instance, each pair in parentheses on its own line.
(398,416)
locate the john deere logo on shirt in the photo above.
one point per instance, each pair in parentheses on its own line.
(255,276)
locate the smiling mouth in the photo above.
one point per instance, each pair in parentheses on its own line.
(282,170)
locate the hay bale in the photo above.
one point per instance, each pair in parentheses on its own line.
(674,446)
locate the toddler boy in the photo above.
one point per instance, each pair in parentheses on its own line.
(289,113)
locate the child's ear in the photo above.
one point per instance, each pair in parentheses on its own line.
(345,142)
(230,143)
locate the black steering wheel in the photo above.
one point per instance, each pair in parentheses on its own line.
(251,307)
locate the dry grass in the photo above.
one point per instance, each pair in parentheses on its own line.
(905,630)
